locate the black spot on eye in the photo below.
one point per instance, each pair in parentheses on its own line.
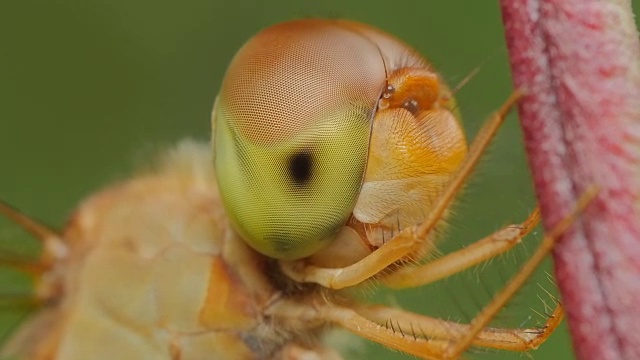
(301,167)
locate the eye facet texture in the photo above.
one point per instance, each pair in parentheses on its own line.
(291,132)
(291,135)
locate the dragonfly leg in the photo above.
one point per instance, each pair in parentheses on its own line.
(428,337)
(54,249)
(482,250)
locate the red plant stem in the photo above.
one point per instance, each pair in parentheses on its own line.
(579,64)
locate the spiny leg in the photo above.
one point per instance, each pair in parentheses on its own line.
(460,260)
(488,313)
(416,325)
(51,240)
(415,334)
(315,313)
(54,248)
(20,263)
(35,228)
(410,239)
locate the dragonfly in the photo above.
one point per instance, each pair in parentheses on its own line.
(336,153)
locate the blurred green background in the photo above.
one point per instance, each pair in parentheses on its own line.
(90,88)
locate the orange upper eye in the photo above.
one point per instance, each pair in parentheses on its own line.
(289,77)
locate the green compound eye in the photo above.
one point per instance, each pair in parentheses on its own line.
(291,133)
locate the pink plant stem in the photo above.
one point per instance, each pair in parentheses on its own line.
(579,64)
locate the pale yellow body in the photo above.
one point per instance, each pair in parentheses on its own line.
(153,271)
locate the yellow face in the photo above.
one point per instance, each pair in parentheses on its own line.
(303,108)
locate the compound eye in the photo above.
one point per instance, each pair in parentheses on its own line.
(291,133)
(301,167)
